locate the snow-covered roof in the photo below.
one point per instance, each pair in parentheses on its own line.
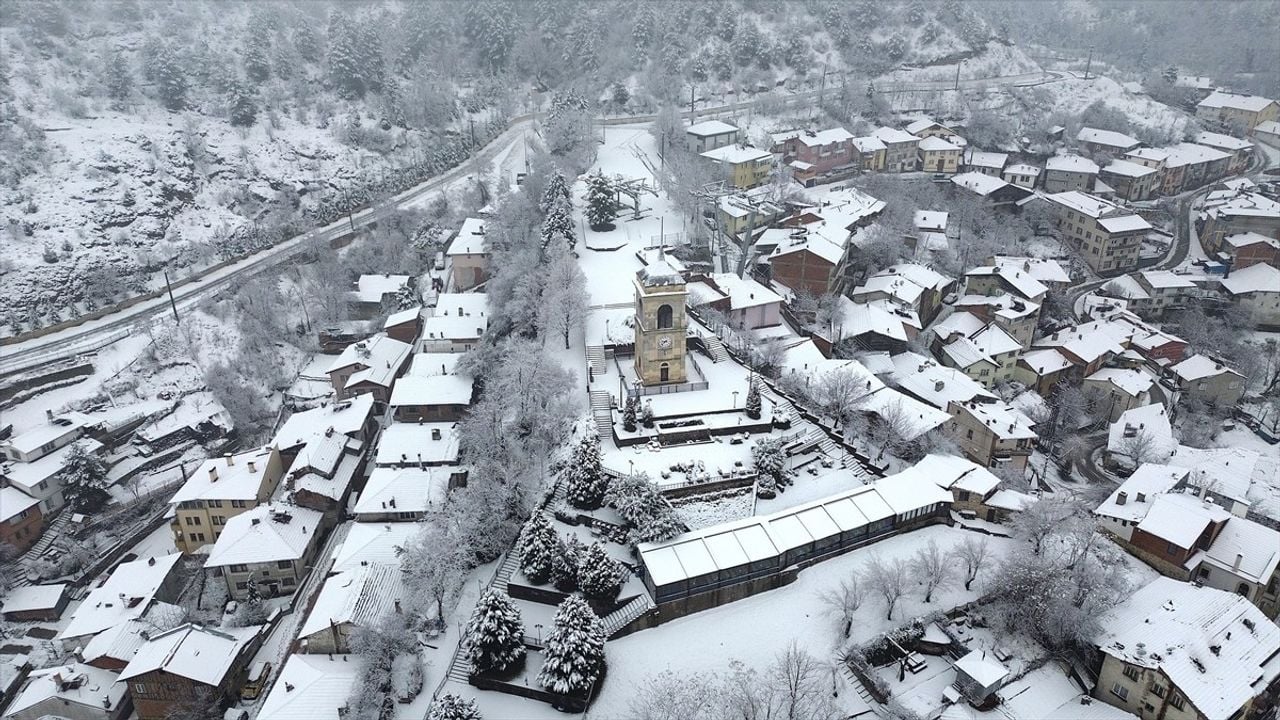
(1128,169)
(433,390)
(1223,142)
(360,596)
(322,453)
(811,138)
(978,182)
(1172,625)
(1253,545)
(372,542)
(121,642)
(311,687)
(869,144)
(411,443)
(1083,203)
(815,243)
(1198,367)
(1022,169)
(983,667)
(1011,500)
(1132,381)
(916,418)
(880,317)
(1071,163)
(68,686)
(1024,282)
(937,144)
(13,502)
(1151,419)
(953,472)
(745,292)
(762,537)
(268,533)
(380,354)
(472,304)
(707,128)
(433,363)
(803,358)
(1269,127)
(236,477)
(346,417)
(931,220)
(1249,103)
(1193,154)
(737,154)
(899,288)
(1090,341)
(470,238)
(402,317)
(33,597)
(1166,279)
(1004,421)
(125,595)
(1241,204)
(965,353)
(403,490)
(1140,490)
(372,288)
(917,126)
(1246,239)
(1259,277)
(890,136)
(1124,223)
(62,424)
(978,158)
(1094,136)
(1045,361)
(335,482)
(193,652)
(936,384)
(453,327)
(1180,518)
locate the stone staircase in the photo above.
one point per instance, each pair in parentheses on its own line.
(596,360)
(509,565)
(623,616)
(715,349)
(602,412)
(50,534)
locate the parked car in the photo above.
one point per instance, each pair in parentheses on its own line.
(257,680)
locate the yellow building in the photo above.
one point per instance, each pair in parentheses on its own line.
(939,156)
(219,490)
(743,167)
(1240,113)
(660,325)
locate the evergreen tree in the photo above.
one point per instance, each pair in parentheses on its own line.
(170,78)
(306,41)
(119,78)
(646,415)
(407,297)
(369,56)
(575,649)
(241,105)
(599,575)
(84,480)
(586,479)
(555,192)
(452,707)
(629,414)
(602,205)
(344,66)
(495,634)
(651,517)
(564,565)
(753,400)
(256,47)
(538,544)
(770,461)
(558,226)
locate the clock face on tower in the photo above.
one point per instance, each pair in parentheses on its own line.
(664,343)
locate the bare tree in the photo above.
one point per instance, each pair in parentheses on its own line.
(1038,522)
(975,553)
(840,394)
(434,564)
(1141,447)
(931,566)
(891,428)
(888,579)
(564,301)
(844,600)
(805,686)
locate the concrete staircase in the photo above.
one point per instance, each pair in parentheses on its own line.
(623,616)
(460,669)
(715,349)
(602,412)
(509,565)
(50,534)
(596,360)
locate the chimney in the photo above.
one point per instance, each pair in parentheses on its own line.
(231,460)
(938,385)
(1141,497)
(435,433)
(48,414)
(253,467)
(1239,559)
(255,521)
(213,474)
(398,610)
(151,562)
(1122,497)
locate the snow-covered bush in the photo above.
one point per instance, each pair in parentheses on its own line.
(599,576)
(538,546)
(564,565)
(651,517)
(585,478)
(574,650)
(452,707)
(495,633)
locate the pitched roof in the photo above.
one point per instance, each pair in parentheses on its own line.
(67,686)
(433,390)
(372,542)
(372,288)
(193,652)
(1128,169)
(470,238)
(1240,240)
(937,144)
(744,292)
(411,443)
(360,596)
(268,533)
(1198,367)
(238,477)
(736,154)
(33,597)
(1222,142)
(125,595)
(1020,280)
(1140,490)
(1071,163)
(311,687)
(13,501)
(707,128)
(1255,546)
(1003,420)
(402,317)
(978,158)
(345,417)
(1173,625)
(1259,277)
(407,490)
(813,242)
(1132,381)
(934,383)
(381,355)
(954,472)
(979,183)
(890,136)
(1250,103)
(1094,136)
(1152,419)
(1180,518)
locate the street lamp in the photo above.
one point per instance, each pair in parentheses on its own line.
(632,467)
(538,626)
(735,399)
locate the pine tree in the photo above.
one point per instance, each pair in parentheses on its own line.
(555,192)
(171,78)
(753,400)
(586,481)
(306,41)
(452,707)
(538,545)
(256,47)
(84,480)
(495,633)
(119,78)
(369,56)
(558,226)
(602,205)
(770,461)
(407,297)
(344,68)
(599,576)
(241,105)
(564,565)
(629,414)
(575,649)
(646,415)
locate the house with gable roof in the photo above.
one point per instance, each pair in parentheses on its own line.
(188,664)
(1208,380)
(269,546)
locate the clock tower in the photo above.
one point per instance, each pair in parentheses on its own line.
(660,325)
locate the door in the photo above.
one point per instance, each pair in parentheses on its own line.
(664,373)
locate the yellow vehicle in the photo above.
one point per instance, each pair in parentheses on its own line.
(256,681)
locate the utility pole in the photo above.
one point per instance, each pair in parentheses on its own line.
(172,304)
(1088,64)
(822,86)
(693,89)
(957,87)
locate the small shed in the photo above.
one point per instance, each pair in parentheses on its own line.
(979,675)
(35,602)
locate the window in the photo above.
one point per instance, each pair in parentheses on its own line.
(1171,549)
(218,520)
(1120,691)
(1158,690)
(1242,589)
(239,568)
(284,565)
(1176,700)
(1131,672)
(237,503)
(199,537)
(964,496)
(288,580)
(140,688)
(215,503)
(969,433)
(242,586)
(665,317)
